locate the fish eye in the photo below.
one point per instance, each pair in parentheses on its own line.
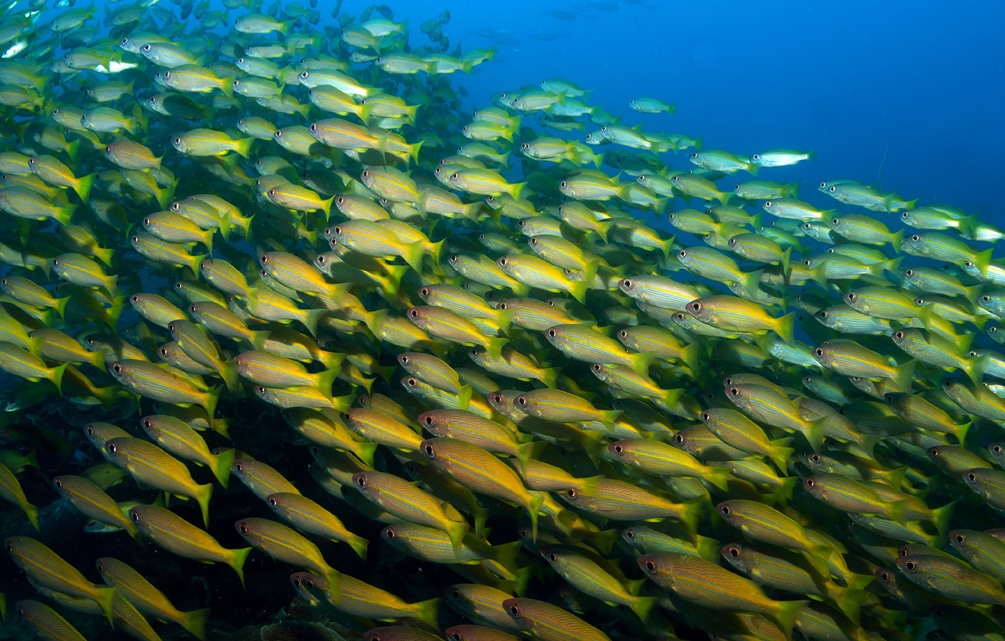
(243,527)
(456,636)
(911,566)
(134,516)
(167,74)
(117,368)
(898,335)
(650,566)
(112,448)
(272,192)
(403,359)
(919,301)
(996,449)
(411,382)
(552,333)
(810,482)
(388,533)
(521,400)
(260,389)
(273,502)
(314,125)
(832,189)
(571,493)
(818,351)
(58,483)
(361,481)
(852,296)
(428,420)
(959,538)
(627,283)
(682,253)
(414,313)
(322,260)
(909,272)
(695,306)
(429,451)
(985,298)
(733,391)
(597,367)
(971,476)
(734,552)
(279,133)
(884,575)
(514,611)
(915,237)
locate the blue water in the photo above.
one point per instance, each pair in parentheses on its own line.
(919,84)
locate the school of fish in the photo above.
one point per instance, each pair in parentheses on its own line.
(287,334)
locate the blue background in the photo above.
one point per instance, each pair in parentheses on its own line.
(919,82)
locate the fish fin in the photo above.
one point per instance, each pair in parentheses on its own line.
(691,513)
(56,376)
(494,346)
(786,328)
(905,375)
(202,496)
(785,615)
(243,147)
(641,363)
(221,466)
(195,623)
(428,612)
(941,516)
(780,453)
(982,260)
(413,255)
(719,477)
(106,597)
(31,512)
(532,509)
(358,544)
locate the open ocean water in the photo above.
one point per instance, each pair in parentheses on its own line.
(403,321)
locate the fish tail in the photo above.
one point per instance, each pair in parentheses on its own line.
(608,417)
(848,600)
(578,291)
(326,207)
(436,250)
(202,496)
(195,623)
(786,328)
(326,380)
(413,151)
(209,404)
(786,613)
(642,606)
(358,544)
(533,509)
(549,376)
(65,214)
(904,376)
(31,512)
(505,555)
(413,255)
(311,319)
(982,260)
(752,282)
(365,451)
(526,452)
(334,579)
(516,189)
(243,146)
(105,599)
(691,513)
(229,375)
(494,346)
(786,260)
(221,466)
(708,548)
(641,363)
(719,477)
(940,517)
(464,396)
(84,184)
(56,376)
(780,454)
(456,531)
(428,612)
